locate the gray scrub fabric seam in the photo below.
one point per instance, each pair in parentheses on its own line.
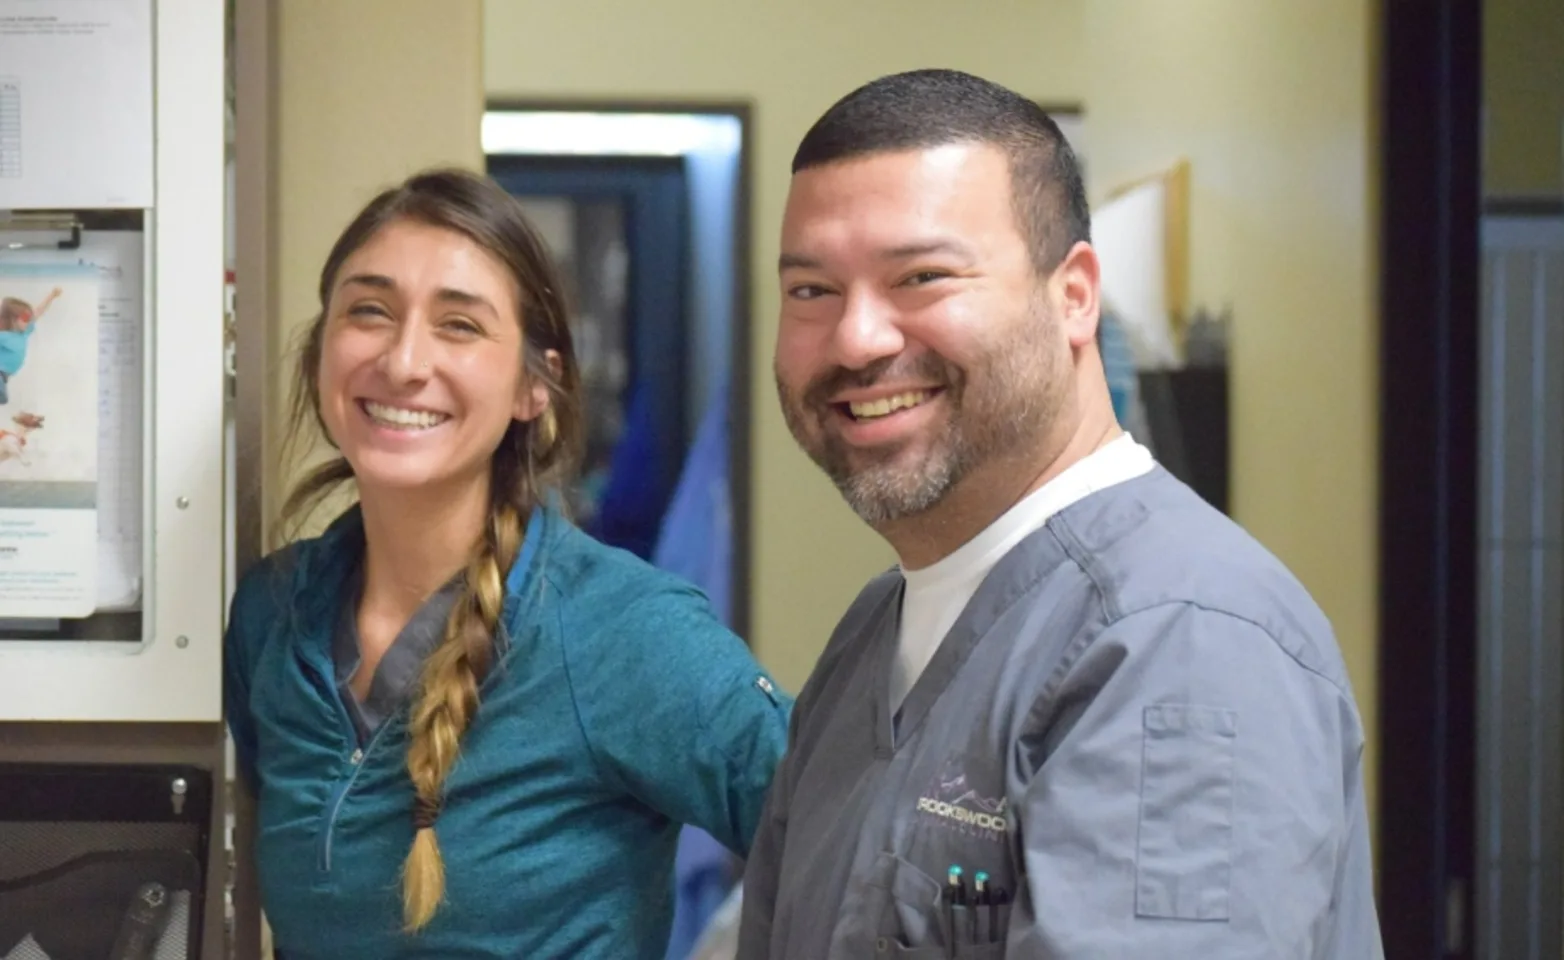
(1232,615)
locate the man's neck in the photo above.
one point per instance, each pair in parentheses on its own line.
(988,493)
(416,541)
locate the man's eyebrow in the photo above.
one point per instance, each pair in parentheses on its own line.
(904,251)
(923,248)
(796,261)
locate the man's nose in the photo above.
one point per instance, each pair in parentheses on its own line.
(867,331)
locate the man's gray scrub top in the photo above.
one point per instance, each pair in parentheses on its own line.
(1140,725)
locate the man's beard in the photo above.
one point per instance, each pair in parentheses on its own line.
(1008,410)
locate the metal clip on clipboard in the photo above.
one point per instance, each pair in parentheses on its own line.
(40,223)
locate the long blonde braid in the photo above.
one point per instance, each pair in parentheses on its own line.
(446,705)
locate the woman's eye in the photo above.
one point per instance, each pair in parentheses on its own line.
(463,327)
(367,310)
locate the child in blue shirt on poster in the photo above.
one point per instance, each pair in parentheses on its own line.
(18,319)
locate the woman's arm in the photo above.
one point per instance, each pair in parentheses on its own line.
(678,711)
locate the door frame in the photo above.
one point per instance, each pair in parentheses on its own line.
(1430,189)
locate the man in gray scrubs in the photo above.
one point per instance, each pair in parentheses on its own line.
(1086,715)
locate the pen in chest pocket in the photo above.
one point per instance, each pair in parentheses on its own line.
(955,896)
(981,933)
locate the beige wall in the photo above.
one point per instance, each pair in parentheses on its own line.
(792,60)
(1523,97)
(1273,105)
(367,92)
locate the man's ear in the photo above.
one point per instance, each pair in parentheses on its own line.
(533,397)
(1076,288)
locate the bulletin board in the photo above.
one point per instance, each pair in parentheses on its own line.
(112,379)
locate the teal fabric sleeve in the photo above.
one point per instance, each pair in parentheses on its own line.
(695,728)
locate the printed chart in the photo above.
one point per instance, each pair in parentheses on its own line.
(10,127)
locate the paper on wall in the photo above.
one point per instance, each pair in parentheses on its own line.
(117,256)
(48,441)
(1129,234)
(76,124)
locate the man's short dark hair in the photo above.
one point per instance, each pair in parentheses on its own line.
(922,109)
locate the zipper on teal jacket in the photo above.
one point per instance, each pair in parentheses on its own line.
(340,794)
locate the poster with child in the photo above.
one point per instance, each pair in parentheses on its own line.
(48,440)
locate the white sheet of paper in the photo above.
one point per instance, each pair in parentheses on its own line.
(117,256)
(76,123)
(1129,236)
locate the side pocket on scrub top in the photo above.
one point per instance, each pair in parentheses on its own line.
(1184,852)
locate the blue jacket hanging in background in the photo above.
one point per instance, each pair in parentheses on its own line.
(696,540)
(634,499)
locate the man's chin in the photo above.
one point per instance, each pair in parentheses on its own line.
(886,496)
(905,456)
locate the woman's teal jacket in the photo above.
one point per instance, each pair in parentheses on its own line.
(617,709)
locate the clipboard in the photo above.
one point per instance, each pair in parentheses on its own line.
(115,246)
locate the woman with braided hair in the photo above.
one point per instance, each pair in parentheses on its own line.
(472,730)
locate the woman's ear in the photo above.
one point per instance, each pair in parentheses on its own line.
(533,397)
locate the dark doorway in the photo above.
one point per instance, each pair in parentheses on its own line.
(646,206)
(624,254)
(1430,189)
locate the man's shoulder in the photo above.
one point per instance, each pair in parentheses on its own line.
(1162,544)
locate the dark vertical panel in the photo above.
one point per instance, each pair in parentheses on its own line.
(254,27)
(1431,84)
(741,389)
(740,386)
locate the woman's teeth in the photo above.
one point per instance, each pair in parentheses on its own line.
(400,419)
(885,406)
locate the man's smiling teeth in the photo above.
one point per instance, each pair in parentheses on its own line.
(885,406)
(403,419)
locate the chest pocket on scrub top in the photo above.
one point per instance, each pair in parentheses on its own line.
(913,923)
(961,819)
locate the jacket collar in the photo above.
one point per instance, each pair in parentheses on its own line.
(326,566)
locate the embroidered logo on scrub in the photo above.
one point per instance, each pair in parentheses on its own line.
(953,801)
